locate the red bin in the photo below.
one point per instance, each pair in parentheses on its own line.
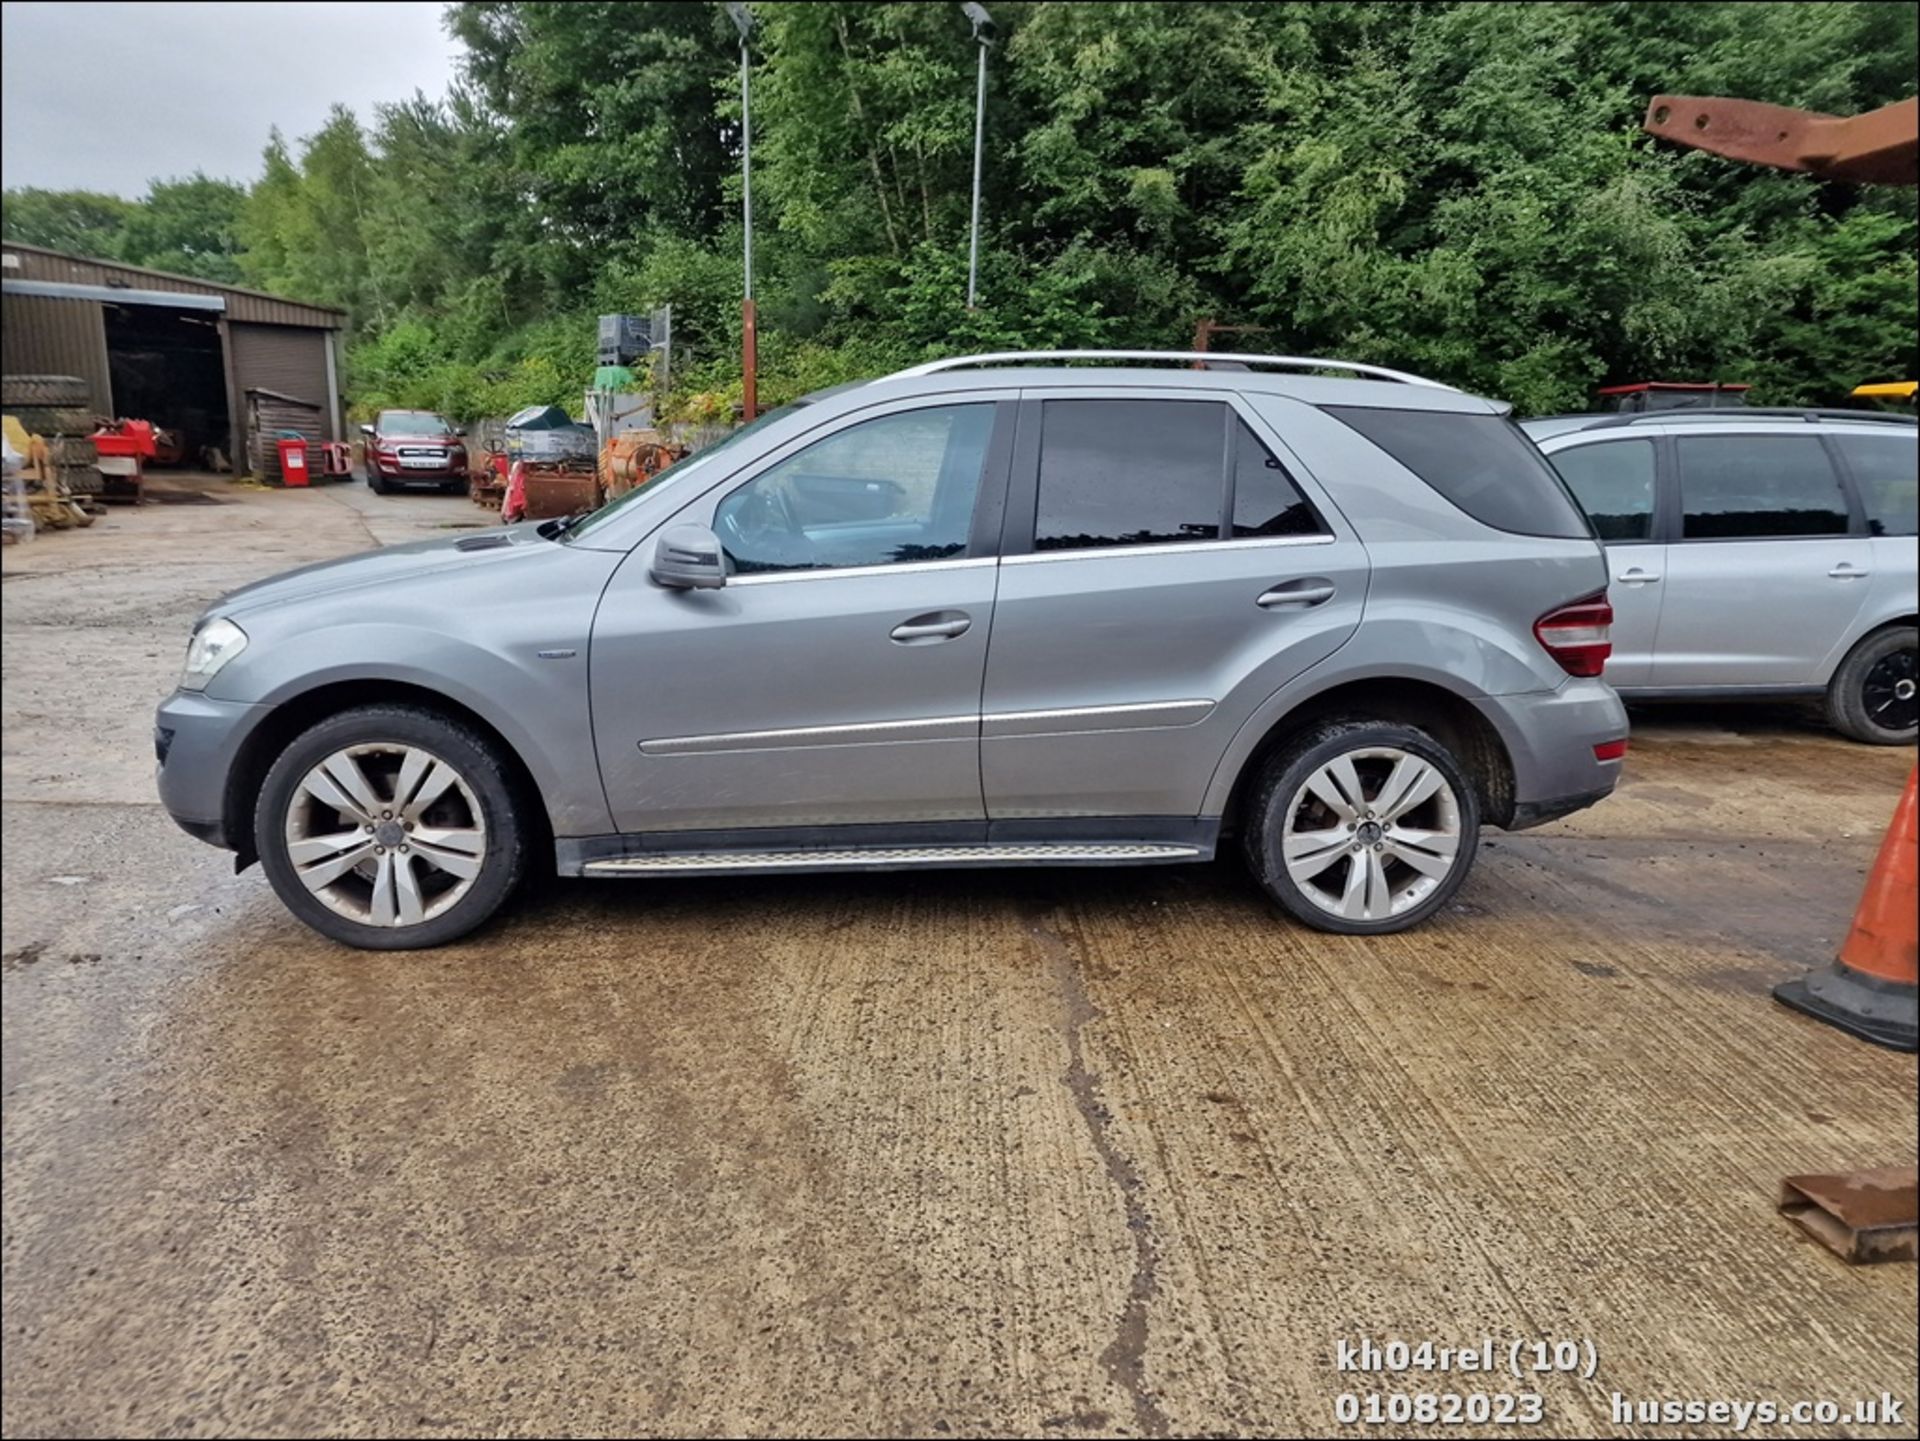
(293,462)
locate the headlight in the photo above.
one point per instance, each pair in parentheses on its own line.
(214,643)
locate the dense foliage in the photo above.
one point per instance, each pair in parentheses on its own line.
(1457,188)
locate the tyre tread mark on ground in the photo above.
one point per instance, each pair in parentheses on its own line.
(1124,1356)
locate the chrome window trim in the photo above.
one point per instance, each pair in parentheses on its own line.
(1175,547)
(905,567)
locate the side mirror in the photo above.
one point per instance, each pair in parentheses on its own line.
(366,430)
(461,432)
(688,557)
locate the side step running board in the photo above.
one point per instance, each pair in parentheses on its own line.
(1064,853)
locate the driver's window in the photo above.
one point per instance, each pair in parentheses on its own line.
(897,488)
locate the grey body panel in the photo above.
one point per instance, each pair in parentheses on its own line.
(470,625)
(1742,618)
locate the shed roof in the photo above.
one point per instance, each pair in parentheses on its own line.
(257,307)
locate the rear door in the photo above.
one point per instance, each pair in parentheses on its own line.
(1615,482)
(1168,567)
(1769,565)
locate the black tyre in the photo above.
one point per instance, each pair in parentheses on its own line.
(47,390)
(48,421)
(391,827)
(1362,827)
(454,487)
(377,482)
(1872,697)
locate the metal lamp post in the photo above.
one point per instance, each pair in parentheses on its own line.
(983,37)
(742,19)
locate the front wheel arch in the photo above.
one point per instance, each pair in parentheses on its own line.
(302,712)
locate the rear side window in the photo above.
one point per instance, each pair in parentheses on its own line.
(1758,486)
(1613,481)
(1152,472)
(1484,464)
(1884,471)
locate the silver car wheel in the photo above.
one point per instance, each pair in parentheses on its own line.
(1372,833)
(387,835)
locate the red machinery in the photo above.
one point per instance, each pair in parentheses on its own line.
(122,446)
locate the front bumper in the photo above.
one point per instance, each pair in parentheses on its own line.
(1550,736)
(197,742)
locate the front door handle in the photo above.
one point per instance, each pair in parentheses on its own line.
(1297,593)
(1846,570)
(934,625)
(1633,575)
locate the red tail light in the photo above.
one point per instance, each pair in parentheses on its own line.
(1580,635)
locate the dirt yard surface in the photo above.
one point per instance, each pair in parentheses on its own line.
(976,1154)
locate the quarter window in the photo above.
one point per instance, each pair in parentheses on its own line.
(1148,472)
(885,491)
(1737,486)
(1884,470)
(1613,481)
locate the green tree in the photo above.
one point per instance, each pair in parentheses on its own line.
(191,226)
(77,222)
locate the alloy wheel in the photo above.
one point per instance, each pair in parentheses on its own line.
(386,834)
(1372,833)
(1889,691)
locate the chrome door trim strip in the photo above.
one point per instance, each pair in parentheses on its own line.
(908,567)
(1140,715)
(1136,715)
(934,728)
(1175,547)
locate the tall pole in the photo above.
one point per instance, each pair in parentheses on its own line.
(749,332)
(983,35)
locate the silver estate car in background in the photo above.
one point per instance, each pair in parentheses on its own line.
(991,610)
(1757,554)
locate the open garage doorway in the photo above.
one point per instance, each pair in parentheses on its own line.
(168,366)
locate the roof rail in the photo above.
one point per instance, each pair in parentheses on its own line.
(1199,359)
(1812,415)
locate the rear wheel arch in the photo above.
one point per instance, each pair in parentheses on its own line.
(1445,715)
(302,712)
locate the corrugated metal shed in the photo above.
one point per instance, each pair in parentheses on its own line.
(57,337)
(252,306)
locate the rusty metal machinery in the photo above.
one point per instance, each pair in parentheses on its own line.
(1881,147)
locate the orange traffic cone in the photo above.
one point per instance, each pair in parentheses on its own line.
(1870,992)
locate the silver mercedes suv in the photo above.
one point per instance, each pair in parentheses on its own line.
(1060,608)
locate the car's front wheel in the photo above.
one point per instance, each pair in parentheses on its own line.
(1875,695)
(390,827)
(1363,827)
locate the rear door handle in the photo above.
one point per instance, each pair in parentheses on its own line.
(1846,570)
(934,625)
(1297,593)
(1633,575)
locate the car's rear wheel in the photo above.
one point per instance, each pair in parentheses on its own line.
(390,828)
(1363,827)
(1875,695)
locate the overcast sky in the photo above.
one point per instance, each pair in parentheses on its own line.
(110,96)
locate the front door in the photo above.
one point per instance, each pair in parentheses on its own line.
(835,678)
(1614,481)
(1174,576)
(1766,572)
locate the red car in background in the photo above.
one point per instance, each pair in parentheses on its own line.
(414,447)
